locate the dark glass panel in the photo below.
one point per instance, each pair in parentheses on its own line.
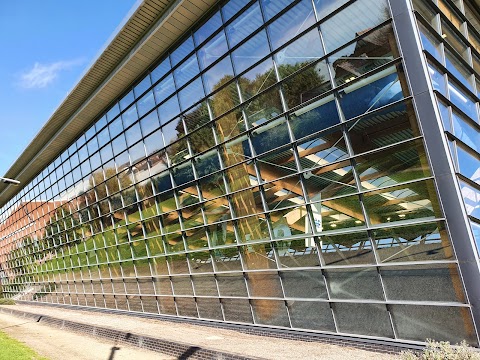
(270,312)
(304,284)
(182,285)
(250,20)
(417,322)
(347,249)
(367,319)
(356,283)
(270,136)
(292,23)
(205,285)
(297,253)
(186,307)
(250,52)
(311,315)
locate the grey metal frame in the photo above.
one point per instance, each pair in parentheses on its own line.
(429,119)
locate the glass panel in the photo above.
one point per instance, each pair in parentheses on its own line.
(371,93)
(300,53)
(142,86)
(422,242)
(257,79)
(364,55)
(218,75)
(311,315)
(392,166)
(416,322)
(270,312)
(471,197)
(164,89)
(306,85)
(208,28)
(357,283)
(469,164)
(169,109)
(463,101)
(423,283)
(188,70)
(292,23)
(245,24)
(250,52)
(237,310)
(271,8)
(232,8)
(145,103)
(182,51)
(191,94)
(161,70)
(466,132)
(347,249)
(346,25)
(367,319)
(304,284)
(413,201)
(213,50)
(326,7)
(430,43)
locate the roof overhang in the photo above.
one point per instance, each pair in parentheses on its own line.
(153,27)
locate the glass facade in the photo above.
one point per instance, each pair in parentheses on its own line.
(450,37)
(269,170)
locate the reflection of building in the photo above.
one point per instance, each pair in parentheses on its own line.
(265,170)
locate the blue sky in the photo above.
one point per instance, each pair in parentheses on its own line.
(46,45)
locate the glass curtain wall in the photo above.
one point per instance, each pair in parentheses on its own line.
(450,37)
(269,170)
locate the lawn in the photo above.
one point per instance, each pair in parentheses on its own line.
(12,349)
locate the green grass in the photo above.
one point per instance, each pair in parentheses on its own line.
(13,349)
(4,301)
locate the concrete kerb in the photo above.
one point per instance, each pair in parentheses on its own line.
(179,349)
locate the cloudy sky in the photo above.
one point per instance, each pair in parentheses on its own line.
(46,46)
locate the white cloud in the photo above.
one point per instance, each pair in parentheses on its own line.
(42,75)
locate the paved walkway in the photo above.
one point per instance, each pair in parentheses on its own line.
(227,341)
